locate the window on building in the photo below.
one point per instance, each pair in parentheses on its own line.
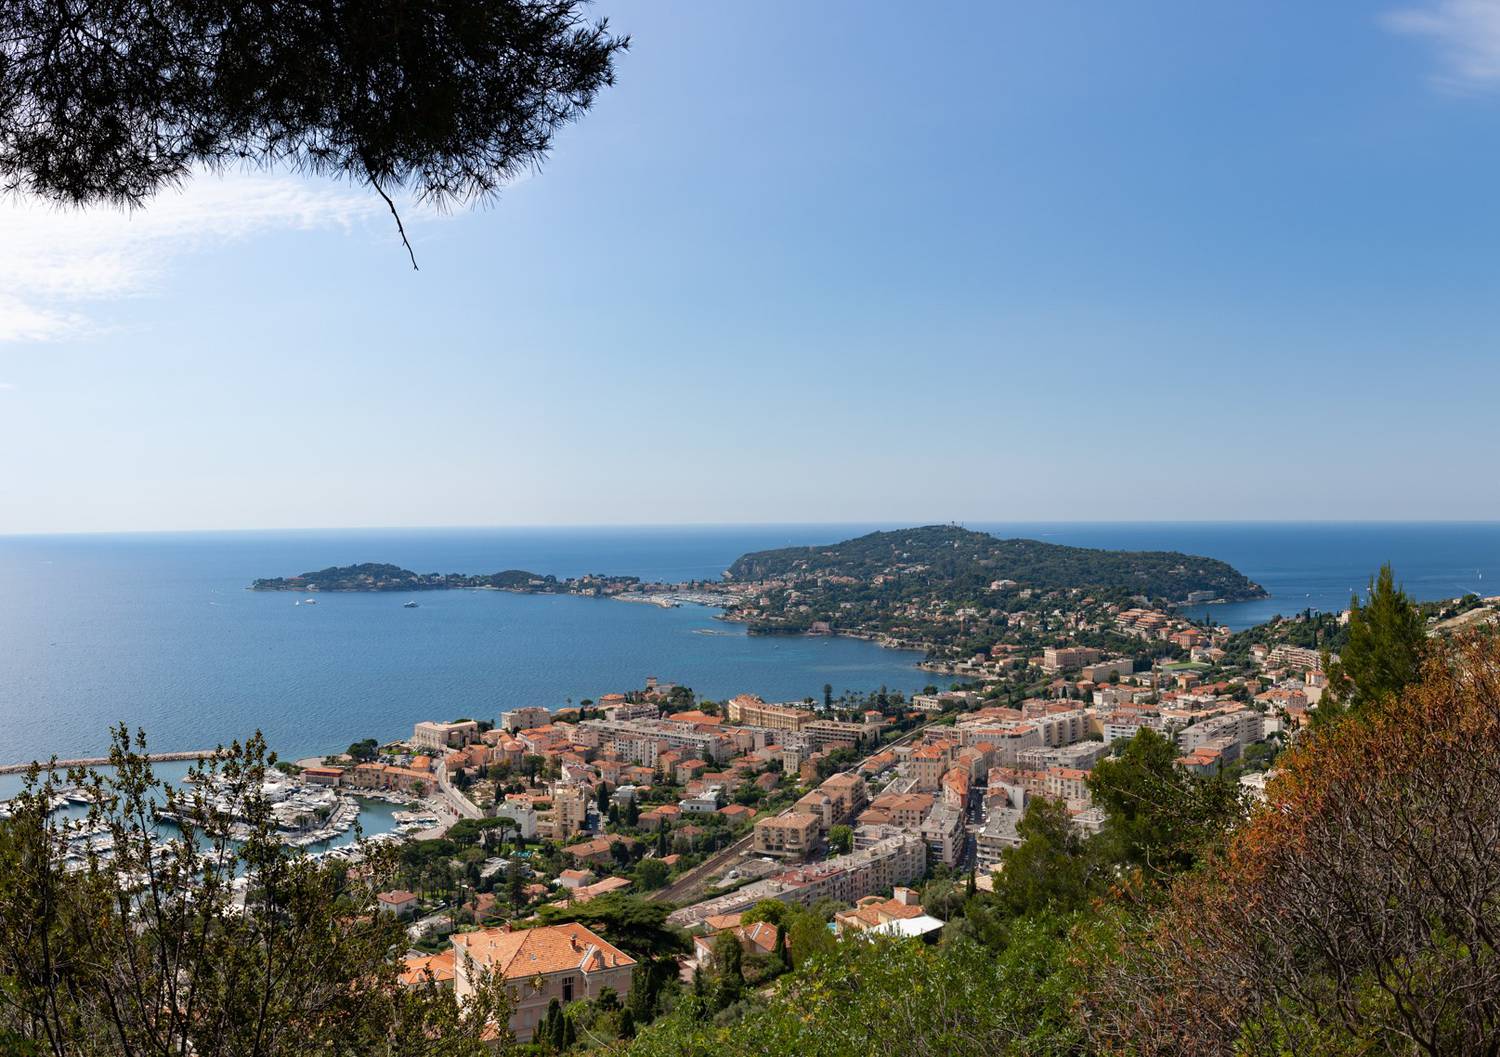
(568,990)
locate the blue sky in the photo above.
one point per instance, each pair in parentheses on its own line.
(825,262)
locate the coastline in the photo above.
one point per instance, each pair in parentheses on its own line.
(189,666)
(709,595)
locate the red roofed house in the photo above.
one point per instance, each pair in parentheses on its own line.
(562,962)
(720,922)
(873,911)
(598,888)
(400,903)
(689,769)
(422,968)
(657,817)
(600,849)
(576,878)
(759,938)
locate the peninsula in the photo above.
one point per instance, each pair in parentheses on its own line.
(905,582)
(945,589)
(378,576)
(936,561)
(951,558)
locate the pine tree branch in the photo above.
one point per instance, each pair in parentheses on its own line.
(400,228)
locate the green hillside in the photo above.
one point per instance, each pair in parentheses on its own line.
(960,563)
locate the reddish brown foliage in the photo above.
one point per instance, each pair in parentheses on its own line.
(1358,911)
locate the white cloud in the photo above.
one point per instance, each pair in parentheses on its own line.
(1467,36)
(58,263)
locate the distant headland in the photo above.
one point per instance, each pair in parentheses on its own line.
(379,576)
(915,587)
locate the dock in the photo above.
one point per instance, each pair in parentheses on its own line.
(103,761)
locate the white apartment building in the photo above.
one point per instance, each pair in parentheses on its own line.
(429,736)
(525,718)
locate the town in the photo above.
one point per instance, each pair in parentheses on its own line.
(855,808)
(652,851)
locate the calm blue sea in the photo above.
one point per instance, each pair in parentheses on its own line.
(158,630)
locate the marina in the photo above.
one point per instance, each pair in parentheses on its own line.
(318,819)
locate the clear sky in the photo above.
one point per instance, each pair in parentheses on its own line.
(826,262)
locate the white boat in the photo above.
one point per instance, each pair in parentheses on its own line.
(309,602)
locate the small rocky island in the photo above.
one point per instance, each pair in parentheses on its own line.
(378,576)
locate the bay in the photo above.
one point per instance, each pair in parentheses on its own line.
(159,631)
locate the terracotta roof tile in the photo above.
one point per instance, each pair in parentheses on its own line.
(524,953)
(418,966)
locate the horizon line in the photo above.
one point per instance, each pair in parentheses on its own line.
(878,525)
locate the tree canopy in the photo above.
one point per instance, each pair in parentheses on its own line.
(1159,817)
(1048,870)
(635,925)
(893,997)
(151,951)
(1387,641)
(109,103)
(1356,913)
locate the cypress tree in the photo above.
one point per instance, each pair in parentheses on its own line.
(641,999)
(1386,647)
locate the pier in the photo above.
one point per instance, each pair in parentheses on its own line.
(103,761)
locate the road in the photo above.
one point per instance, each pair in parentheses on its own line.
(691,882)
(446,815)
(457,802)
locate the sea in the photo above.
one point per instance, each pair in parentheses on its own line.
(160,632)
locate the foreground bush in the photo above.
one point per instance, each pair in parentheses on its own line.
(217,942)
(1358,912)
(896,999)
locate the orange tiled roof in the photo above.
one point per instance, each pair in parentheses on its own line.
(525,953)
(598,888)
(761,935)
(872,911)
(418,966)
